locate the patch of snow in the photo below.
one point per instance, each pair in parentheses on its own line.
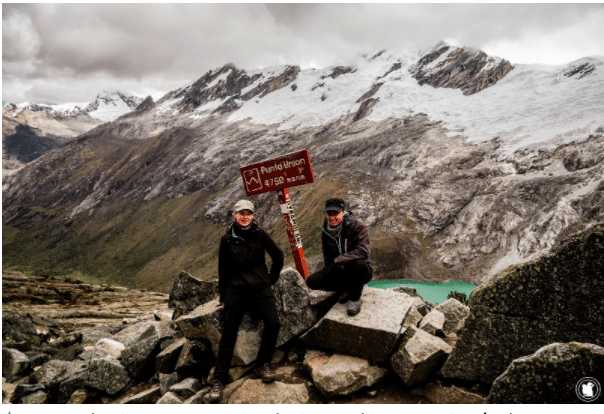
(166,106)
(534,107)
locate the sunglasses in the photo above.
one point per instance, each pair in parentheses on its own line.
(332,213)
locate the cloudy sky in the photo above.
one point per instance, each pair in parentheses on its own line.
(71,52)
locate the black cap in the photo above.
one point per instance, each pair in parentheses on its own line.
(334,204)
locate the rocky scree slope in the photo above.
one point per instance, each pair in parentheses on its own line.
(441,202)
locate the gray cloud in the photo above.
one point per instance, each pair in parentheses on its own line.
(154,48)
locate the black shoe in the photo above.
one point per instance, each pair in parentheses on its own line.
(354,307)
(343,298)
(216,391)
(265,373)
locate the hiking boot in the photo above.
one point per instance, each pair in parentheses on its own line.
(343,298)
(265,373)
(354,307)
(216,391)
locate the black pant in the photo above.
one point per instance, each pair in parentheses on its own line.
(236,302)
(349,276)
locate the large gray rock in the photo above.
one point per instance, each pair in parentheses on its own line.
(371,334)
(433,323)
(38,397)
(165,361)
(13,363)
(139,357)
(107,374)
(188,292)
(418,355)
(186,388)
(296,314)
(341,374)
(297,310)
(18,328)
(166,381)
(552,375)
(195,358)
(62,377)
(454,312)
(111,346)
(25,389)
(257,392)
(559,298)
(136,333)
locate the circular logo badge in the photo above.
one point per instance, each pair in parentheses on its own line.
(588,389)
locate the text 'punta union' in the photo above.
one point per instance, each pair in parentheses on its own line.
(281,166)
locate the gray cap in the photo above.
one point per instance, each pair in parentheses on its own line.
(244,205)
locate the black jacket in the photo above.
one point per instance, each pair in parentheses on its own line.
(241,258)
(353,243)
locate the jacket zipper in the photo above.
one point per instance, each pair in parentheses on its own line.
(338,243)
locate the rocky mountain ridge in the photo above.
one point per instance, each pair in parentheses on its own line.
(441,203)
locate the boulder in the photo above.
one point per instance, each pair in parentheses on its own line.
(557,298)
(166,381)
(371,334)
(413,318)
(433,323)
(418,356)
(165,361)
(36,359)
(13,363)
(138,357)
(22,390)
(296,314)
(107,374)
(341,374)
(296,311)
(454,312)
(195,358)
(136,333)
(150,396)
(559,373)
(439,394)
(91,336)
(62,378)
(111,346)
(186,388)
(18,328)
(257,392)
(188,292)
(169,398)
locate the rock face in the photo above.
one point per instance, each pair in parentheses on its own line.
(371,334)
(454,312)
(461,68)
(558,298)
(418,356)
(552,375)
(341,374)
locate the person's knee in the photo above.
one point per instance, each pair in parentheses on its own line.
(311,282)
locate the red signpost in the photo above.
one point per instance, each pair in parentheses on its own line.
(278,174)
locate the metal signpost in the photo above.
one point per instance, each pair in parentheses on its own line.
(278,174)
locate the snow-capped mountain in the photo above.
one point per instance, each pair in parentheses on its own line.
(459,163)
(106,107)
(110,105)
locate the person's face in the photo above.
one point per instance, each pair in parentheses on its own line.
(243,217)
(334,217)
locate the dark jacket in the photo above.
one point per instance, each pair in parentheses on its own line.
(241,258)
(353,243)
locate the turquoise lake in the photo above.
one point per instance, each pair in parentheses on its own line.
(430,292)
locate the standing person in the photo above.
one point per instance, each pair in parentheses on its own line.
(245,282)
(347,256)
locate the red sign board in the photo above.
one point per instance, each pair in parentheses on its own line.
(278,173)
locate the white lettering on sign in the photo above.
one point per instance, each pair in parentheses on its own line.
(292,218)
(280,166)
